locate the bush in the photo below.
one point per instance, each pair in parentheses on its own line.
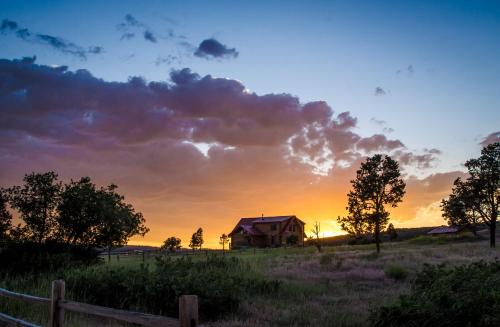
(326,259)
(34,258)
(220,283)
(467,295)
(396,272)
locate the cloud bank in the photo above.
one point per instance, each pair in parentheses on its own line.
(266,153)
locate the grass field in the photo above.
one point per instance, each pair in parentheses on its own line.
(338,287)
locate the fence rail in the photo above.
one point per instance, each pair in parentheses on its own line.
(188,310)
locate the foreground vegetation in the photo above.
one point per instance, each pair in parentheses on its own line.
(342,286)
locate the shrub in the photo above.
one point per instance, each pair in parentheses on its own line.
(396,272)
(326,259)
(30,257)
(467,295)
(292,239)
(220,283)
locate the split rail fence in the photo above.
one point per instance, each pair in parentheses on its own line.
(188,310)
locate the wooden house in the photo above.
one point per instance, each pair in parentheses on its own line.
(267,232)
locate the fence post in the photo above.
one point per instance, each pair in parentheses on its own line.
(56,313)
(188,310)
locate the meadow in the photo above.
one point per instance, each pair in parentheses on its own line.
(340,286)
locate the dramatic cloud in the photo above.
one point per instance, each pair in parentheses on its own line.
(54,42)
(492,138)
(267,153)
(211,48)
(380,91)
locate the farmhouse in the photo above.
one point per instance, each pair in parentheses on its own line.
(267,231)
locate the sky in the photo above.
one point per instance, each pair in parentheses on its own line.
(203,112)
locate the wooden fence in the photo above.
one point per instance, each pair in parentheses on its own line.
(188,310)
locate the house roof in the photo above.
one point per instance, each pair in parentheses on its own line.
(247,224)
(444,230)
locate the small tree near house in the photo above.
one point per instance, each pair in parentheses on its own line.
(316,239)
(196,239)
(224,240)
(172,244)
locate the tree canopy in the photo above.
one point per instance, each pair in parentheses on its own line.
(171,244)
(478,197)
(5,217)
(76,213)
(459,209)
(36,201)
(197,239)
(378,184)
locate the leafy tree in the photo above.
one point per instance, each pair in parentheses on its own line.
(5,217)
(484,184)
(378,183)
(196,239)
(224,240)
(96,217)
(459,208)
(355,223)
(118,221)
(37,202)
(172,244)
(392,232)
(316,232)
(79,212)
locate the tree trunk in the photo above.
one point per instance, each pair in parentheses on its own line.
(493,228)
(109,254)
(377,236)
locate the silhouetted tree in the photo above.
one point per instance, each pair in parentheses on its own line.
(378,183)
(224,240)
(37,201)
(391,231)
(172,244)
(80,211)
(196,239)
(5,217)
(459,208)
(316,230)
(484,186)
(355,223)
(96,217)
(118,221)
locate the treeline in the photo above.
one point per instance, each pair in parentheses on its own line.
(379,185)
(77,213)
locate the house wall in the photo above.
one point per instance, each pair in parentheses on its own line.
(266,229)
(238,240)
(280,237)
(299,231)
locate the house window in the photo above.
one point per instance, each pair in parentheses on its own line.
(272,239)
(294,228)
(290,228)
(273,227)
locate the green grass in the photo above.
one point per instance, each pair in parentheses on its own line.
(338,287)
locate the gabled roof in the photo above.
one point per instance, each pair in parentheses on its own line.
(444,230)
(247,224)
